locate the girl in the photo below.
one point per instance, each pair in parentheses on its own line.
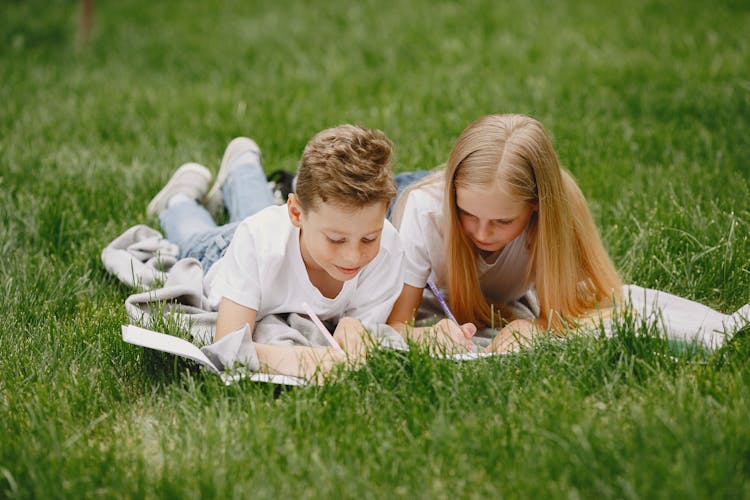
(505,220)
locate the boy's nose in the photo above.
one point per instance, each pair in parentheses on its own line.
(350,256)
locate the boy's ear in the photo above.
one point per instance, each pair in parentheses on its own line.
(294,209)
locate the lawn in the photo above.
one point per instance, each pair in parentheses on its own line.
(648,104)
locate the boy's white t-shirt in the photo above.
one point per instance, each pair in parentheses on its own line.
(263,269)
(503,276)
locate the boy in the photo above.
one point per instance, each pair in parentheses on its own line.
(329,246)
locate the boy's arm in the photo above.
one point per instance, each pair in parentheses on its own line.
(351,335)
(232,316)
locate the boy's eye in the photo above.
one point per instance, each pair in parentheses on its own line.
(335,242)
(369,240)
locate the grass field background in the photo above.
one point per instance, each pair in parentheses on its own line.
(647,103)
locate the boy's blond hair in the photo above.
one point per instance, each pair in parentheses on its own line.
(348,165)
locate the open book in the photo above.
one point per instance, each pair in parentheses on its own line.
(181,347)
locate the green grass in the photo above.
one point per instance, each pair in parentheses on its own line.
(648,105)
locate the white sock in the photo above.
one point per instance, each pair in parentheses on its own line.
(178,198)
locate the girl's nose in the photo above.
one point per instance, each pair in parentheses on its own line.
(483,231)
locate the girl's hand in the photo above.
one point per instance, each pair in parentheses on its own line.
(455,338)
(513,336)
(469,329)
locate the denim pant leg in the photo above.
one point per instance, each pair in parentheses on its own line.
(404,180)
(191,227)
(210,246)
(246,190)
(183,220)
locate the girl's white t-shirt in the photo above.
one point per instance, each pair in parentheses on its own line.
(503,276)
(263,269)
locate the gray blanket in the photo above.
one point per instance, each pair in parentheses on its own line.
(170,288)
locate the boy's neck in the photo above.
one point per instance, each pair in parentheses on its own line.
(327,286)
(320,279)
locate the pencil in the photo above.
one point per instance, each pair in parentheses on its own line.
(315,319)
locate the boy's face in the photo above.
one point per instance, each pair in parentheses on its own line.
(336,239)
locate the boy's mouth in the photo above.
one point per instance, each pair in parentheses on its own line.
(349,271)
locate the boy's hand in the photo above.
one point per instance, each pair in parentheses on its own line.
(351,335)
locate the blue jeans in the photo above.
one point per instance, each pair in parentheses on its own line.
(404,180)
(192,228)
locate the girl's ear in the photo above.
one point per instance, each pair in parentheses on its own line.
(294,209)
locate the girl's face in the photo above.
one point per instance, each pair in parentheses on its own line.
(491,219)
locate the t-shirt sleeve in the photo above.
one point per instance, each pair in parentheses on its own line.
(414,240)
(238,278)
(380,284)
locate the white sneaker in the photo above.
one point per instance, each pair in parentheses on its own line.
(191,179)
(236,148)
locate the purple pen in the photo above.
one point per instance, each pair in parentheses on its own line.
(440,299)
(446,309)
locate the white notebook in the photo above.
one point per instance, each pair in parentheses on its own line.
(181,347)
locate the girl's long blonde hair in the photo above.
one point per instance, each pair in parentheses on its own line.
(571,270)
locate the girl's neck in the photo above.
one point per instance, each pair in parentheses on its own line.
(489,257)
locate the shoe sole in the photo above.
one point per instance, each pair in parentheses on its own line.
(159,202)
(214,200)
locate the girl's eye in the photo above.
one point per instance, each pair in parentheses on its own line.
(335,242)
(369,240)
(502,222)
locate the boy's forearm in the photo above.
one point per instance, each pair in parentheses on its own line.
(232,316)
(298,361)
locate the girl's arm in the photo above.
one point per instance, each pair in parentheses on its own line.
(513,336)
(232,316)
(405,308)
(518,333)
(445,332)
